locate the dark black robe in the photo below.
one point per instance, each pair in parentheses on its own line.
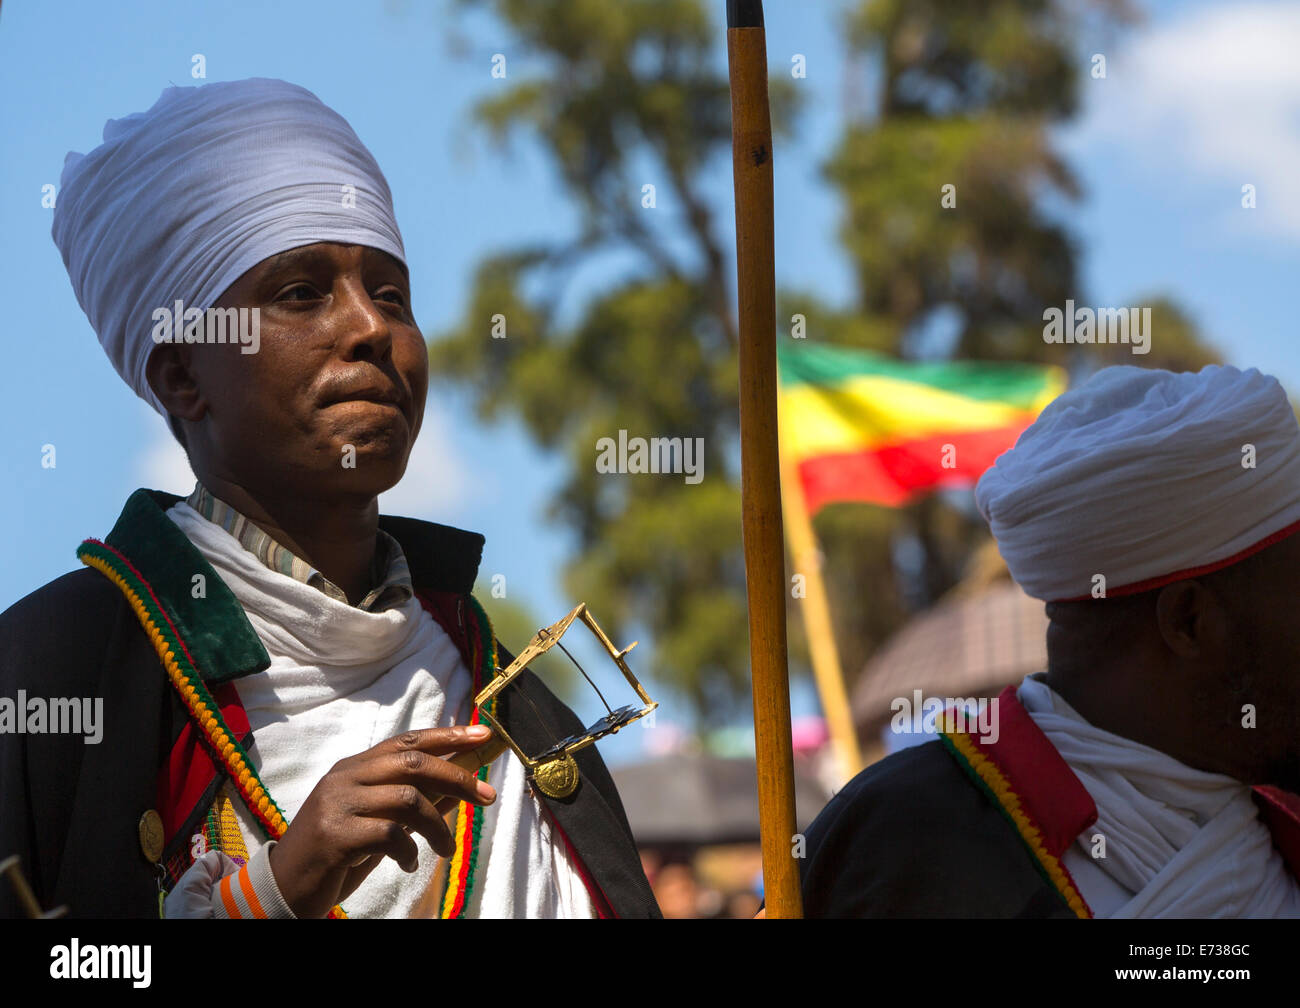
(911,836)
(968,826)
(71,810)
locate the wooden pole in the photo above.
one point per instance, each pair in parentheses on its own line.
(751,146)
(815,607)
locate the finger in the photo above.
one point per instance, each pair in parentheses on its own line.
(463,740)
(387,839)
(356,876)
(437,741)
(435,777)
(471,762)
(482,756)
(405,805)
(446,806)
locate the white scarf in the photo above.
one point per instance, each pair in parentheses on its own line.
(342,680)
(1178,842)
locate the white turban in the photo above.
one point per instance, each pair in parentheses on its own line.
(178,202)
(1145,476)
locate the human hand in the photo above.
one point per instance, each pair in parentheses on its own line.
(365,809)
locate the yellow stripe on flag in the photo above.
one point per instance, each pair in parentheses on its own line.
(866,412)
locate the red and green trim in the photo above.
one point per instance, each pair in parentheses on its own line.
(184,676)
(990,780)
(482,649)
(1033,787)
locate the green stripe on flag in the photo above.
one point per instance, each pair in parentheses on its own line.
(1012,383)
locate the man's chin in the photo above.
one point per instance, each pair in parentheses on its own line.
(365,469)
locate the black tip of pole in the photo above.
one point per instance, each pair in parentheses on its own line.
(744,13)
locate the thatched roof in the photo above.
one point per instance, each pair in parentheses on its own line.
(984,634)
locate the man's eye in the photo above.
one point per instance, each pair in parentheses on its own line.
(391,294)
(298,292)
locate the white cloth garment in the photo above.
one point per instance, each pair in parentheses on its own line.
(342,680)
(1139,474)
(180,201)
(1179,842)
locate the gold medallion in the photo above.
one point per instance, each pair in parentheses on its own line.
(557,778)
(151,836)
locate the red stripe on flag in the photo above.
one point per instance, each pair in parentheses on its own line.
(894,474)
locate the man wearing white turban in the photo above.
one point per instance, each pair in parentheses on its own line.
(282,670)
(1152,770)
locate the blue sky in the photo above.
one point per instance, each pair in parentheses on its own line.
(1198,100)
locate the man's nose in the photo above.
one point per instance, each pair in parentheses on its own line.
(364,329)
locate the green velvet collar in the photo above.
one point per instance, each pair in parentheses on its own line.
(214,627)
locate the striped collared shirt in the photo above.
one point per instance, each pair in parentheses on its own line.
(389,572)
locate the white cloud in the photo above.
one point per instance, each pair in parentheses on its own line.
(435,478)
(163,465)
(1216,95)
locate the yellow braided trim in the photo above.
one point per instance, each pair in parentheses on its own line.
(198,709)
(465,811)
(1001,788)
(229,835)
(464,818)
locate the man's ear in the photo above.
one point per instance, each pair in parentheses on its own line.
(1191,620)
(170,374)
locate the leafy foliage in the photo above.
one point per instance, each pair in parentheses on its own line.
(629,92)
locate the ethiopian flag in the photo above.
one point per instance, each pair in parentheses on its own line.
(860,426)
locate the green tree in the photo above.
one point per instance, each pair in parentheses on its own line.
(627,94)
(947,183)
